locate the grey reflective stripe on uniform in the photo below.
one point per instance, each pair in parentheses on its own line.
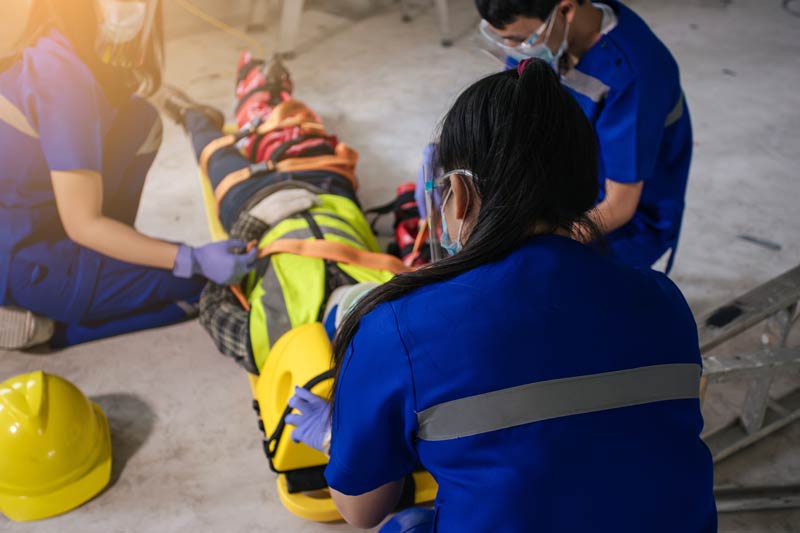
(273,300)
(15,118)
(586,85)
(556,398)
(676,113)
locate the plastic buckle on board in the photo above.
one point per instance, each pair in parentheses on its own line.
(261,167)
(249,128)
(306,479)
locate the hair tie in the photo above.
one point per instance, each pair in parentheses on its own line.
(521,66)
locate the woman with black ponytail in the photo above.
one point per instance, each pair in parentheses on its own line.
(544,386)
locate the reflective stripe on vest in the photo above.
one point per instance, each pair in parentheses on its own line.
(557,398)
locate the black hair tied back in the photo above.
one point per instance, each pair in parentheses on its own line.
(535,154)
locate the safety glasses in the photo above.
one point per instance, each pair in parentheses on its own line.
(497,47)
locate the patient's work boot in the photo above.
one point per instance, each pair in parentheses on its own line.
(278,80)
(260,87)
(20,329)
(175,103)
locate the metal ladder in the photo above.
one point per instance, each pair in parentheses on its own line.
(774,303)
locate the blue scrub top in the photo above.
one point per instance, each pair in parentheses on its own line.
(66,108)
(629,87)
(552,309)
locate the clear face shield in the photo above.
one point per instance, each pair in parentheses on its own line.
(126,27)
(437,193)
(508,53)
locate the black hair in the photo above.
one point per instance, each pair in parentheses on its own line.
(500,13)
(535,157)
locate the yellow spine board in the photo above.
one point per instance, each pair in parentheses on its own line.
(275,385)
(297,357)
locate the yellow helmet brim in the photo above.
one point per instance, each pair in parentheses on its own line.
(23,508)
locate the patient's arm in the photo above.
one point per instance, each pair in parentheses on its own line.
(248,228)
(228,324)
(222,315)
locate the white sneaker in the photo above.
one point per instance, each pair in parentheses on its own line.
(20,329)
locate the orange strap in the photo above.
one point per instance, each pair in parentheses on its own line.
(212,147)
(287,114)
(343,162)
(232,180)
(322,249)
(228,140)
(237,292)
(422,234)
(305,126)
(236,289)
(335,251)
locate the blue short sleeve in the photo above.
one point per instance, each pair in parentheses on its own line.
(67,105)
(680,311)
(629,131)
(373,413)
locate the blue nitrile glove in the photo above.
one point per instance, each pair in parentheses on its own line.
(221,262)
(313,424)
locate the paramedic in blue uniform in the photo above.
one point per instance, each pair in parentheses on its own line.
(76,142)
(545,386)
(628,85)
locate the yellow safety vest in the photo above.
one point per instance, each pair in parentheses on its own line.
(287,290)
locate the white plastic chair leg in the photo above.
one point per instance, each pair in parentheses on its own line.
(443,12)
(291,15)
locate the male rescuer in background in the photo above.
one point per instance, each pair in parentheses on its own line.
(628,85)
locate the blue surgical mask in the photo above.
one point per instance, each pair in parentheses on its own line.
(543,52)
(452,248)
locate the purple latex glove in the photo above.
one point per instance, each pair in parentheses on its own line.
(221,262)
(313,424)
(425,169)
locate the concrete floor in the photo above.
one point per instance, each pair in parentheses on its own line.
(186,449)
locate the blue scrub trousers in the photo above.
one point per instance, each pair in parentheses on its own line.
(639,247)
(45,276)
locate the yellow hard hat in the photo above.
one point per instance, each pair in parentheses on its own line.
(55,447)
